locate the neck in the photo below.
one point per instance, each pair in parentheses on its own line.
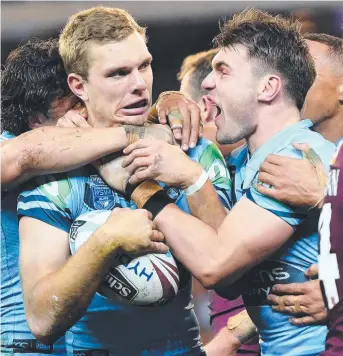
(271,121)
(331,128)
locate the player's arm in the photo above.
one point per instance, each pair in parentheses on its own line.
(58,288)
(239,330)
(152,159)
(247,235)
(55,149)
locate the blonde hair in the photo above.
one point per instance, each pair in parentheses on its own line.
(97,25)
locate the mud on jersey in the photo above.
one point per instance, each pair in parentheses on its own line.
(114,327)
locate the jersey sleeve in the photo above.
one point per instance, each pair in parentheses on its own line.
(213,162)
(294,216)
(48,202)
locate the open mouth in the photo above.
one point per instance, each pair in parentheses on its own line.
(139,104)
(219,111)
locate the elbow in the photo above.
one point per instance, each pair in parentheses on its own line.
(210,276)
(43,330)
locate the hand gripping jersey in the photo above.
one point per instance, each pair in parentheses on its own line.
(331,254)
(112,327)
(16,336)
(287,265)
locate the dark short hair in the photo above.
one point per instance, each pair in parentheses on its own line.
(335,48)
(276,43)
(32,78)
(198,65)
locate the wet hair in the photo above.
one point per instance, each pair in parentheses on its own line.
(33,76)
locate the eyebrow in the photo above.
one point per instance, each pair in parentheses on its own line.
(220,64)
(109,70)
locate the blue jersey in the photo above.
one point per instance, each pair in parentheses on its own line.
(287,265)
(112,327)
(16,336)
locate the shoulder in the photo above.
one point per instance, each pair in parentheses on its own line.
(323,148)
(58,189)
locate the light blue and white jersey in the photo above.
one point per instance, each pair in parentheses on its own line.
(16,336)
(287,265)
(112,327)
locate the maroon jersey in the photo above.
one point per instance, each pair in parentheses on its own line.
(221,309)
(331,254)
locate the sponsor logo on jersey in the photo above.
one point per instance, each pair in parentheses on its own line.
(31,346)
(258,281)
(120,285)
(173,193)
(102,196)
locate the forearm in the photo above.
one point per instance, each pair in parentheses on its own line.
(198,246)
(55,149)
(60,298)
(206,205)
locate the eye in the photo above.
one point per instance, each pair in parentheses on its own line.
(119,73)
(145,65)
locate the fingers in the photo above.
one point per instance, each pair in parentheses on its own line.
(186,129)
(195,126)
(277,160)
(290,304)
(144,212)
(312,271)
(177,133)
(138,144)
(276,300)
(270,168)
(305,320)
(74,118)
(139,164)
(269,192)
(266,178)
(290,288)
(162,116)
(158,247)
(301,146)
(157,236)
(141,175)
(137,153)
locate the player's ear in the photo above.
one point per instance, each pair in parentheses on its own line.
(269,88)
(78,86)
(37,121)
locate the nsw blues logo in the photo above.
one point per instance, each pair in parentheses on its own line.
(101,195)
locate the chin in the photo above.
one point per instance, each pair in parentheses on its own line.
(137,120)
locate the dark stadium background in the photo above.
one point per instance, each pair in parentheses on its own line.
(175,30)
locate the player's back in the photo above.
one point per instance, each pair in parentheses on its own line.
(287,265)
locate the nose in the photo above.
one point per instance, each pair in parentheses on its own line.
(138,84)
(208,83)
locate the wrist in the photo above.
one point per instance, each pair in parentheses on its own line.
(229,339)
(194,173)
(133,133)
(117,135)
(108,243)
